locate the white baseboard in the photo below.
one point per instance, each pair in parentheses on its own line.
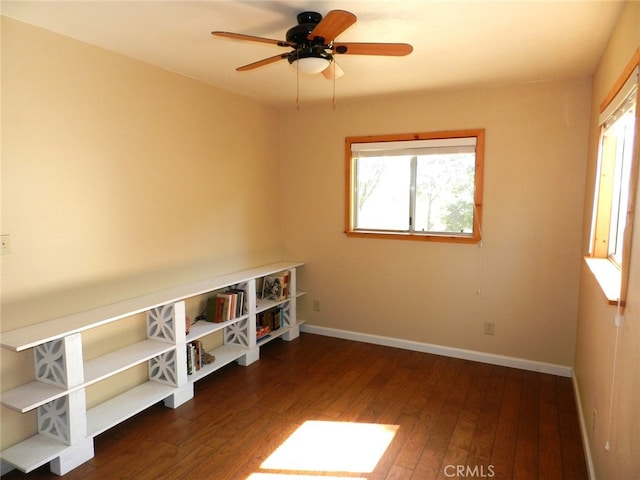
(490,358)
(583,429)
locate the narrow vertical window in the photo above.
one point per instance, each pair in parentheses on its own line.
(611,203)
(616,182)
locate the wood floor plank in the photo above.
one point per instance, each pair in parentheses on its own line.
(573,459)
(438,386)
(430,464)
(526,456)
(486,426)
(399,473)
(503,452)
(448,414)
(550,443)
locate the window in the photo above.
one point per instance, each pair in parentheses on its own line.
(616,181)
(425,186)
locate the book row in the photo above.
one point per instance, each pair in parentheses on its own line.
(231,303)
(268,321)
(226,306)
(196,357)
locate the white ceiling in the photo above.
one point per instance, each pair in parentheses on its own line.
(456,43)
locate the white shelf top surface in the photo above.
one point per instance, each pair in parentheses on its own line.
(119,360)
(39,333)
(224,355)
(36,393)
(31,395)
(202,327)
(33,452)
(113,411)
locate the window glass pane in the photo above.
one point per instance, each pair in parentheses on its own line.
(382,193)
(425,186)
(622,130)
(444,193)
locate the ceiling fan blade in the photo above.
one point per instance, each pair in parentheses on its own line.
(251,38)
(393,49)
(333,24)
(262,63)
(333,70)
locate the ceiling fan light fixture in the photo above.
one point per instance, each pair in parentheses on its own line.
(311,65)
(310,59)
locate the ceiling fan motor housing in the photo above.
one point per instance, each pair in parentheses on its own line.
(299,34)
(307,21)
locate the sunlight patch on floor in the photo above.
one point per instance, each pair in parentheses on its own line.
(295,476)
(332,447)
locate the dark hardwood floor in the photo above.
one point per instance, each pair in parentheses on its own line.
(453,419)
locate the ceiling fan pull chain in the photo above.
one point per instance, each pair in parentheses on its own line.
(297,85)
(334,85)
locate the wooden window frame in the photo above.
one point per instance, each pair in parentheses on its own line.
(614,278)
(473,238)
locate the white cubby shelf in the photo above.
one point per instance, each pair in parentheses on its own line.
(66,427)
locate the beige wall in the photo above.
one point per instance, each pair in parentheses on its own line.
(120,178)
(113,168)
(596,333)
(528,268)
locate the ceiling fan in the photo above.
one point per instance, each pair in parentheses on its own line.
(314,46)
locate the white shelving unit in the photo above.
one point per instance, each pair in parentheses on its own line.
(66,428)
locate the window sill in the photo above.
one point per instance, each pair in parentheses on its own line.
(421,237)
(608,277)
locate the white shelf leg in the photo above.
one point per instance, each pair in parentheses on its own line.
(252,355)
(64,419)
(182,395)
(292,310)
(292,334)
(168,324)
(73,457)
(59,362)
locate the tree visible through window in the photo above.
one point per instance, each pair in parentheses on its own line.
(425,186)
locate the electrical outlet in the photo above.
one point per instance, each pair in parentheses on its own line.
(5,244)
(489,328)
(316,305)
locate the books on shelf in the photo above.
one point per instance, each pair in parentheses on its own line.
(270,319)
(262,331)
(226,305)
(276,286)
(195,356)
(238,301)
